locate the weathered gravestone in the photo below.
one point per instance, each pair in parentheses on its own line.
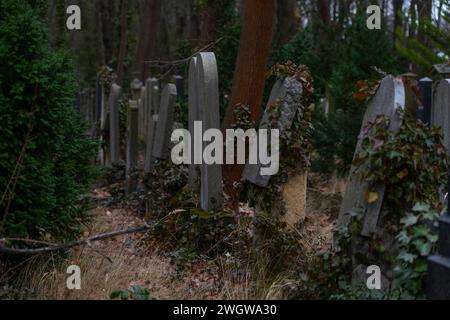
(288,94)
(438,285)
(388,100)
(114,118)
(104,127)
(151,120)
(389,97)
(179,83)
(440,113)
(194,115)
(142,110)
(161,146)
(132,173)
(204,105)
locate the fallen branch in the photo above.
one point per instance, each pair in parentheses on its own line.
(55,248)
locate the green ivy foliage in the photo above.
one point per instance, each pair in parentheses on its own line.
(412,165)
(57,169)
(338,58)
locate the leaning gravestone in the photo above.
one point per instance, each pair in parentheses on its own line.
(205,91)
(388,100)
(114,134)
(440,113)
(438,282)
(389,97)
(165,123)
(288,93)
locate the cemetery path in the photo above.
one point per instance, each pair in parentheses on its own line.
(125,261)
(134,260)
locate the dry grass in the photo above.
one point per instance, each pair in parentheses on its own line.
(128,260)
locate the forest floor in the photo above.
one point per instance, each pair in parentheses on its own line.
(133,260)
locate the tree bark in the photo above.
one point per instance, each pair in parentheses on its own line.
(250,74)
(147,38)
(207,23)
(123,41)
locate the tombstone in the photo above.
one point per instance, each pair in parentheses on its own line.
(194,115)
(208,105)
(104,127)
(389,97)
(440,113)
(132,147)
(114,135)
(440,72)
(288,93)
(426,89)
(438,282)
(136,86)
(165,123)
(151,120)
(142,106)
(179,82)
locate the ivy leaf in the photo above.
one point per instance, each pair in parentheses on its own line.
(421,207)
(115,294)
(423,247)
(421,231)
(422,267)
(372,196)
(409,220)
(407,257)
(402,174)
(403,237)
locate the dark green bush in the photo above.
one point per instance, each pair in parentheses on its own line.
(56,168)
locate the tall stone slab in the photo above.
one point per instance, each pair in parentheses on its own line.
(389,97)
(151,121)
(165,122)
(114,118)
(208,103)
(142,111)
(132,147)
(194,115)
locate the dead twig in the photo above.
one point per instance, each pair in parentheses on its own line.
(63,247)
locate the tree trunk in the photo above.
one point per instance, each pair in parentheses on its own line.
(207,23)
(123,41)
(147,38)
(324,11)
(250,74)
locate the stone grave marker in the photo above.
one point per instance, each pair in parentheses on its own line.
(208,105)
(194,115)
(288,93)
(440,113)
(438,282)
(151,120)
(142,106)
(389,97)
(132,147)
(165,123)
(114,118)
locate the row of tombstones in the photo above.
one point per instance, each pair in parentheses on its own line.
(150,121)
(434,110)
